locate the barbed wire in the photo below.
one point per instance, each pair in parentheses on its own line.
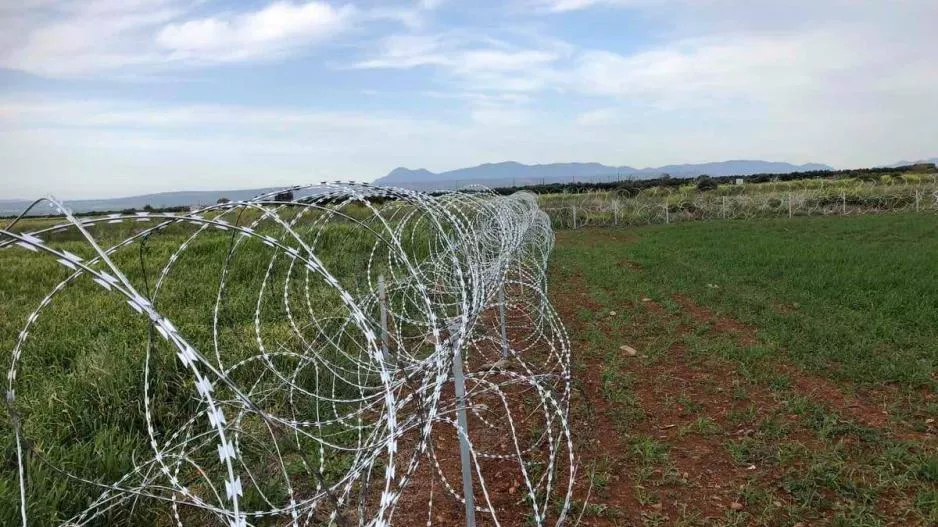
(318,345)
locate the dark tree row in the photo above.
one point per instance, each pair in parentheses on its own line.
(632,187)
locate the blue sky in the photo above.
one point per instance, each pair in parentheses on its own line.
(103,98)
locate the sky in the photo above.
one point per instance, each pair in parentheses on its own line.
(105,98)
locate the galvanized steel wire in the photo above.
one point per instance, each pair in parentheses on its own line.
(316,409)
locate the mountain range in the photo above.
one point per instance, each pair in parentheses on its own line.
(490,174)
(907,163)
(513,173)
(9,207)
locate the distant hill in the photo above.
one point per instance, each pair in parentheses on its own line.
(160,200)
(907,163)
(513,173)
(508,173)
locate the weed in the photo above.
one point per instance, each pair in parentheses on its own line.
(702,425)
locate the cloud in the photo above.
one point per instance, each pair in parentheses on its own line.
(475,62)
(407,51)
(562,6)
(111,148)
(66,38)
(717,70)
(269,31)
(26,112)
(835,81)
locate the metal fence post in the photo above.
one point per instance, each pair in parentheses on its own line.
(843,201)
(615,212)
(459,386)
(383,301)
(789,204)
(574,217)
(667,212)
(520,278)
(501,316)
(917,198)
(724,207)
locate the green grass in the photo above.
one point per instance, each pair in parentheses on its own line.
(80,382)
(855,298)
(852,300)
(772,199)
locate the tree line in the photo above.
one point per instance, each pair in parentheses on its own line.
(705,182)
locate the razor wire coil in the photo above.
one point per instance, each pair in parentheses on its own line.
(286,405)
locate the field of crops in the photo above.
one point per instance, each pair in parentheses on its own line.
(784,372)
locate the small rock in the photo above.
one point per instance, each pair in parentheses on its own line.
(497,365)
(751,467)
(777,503)
(628,350)
(929,421)
(612,313)
(646,299)
(736,506)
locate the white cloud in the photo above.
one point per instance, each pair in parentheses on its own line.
(716,70)
(108,148)
(473,62)
(66,38)
(269,31)
(562,6)
(42,113)
(847,83)
(407,51)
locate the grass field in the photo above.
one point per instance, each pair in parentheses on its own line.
(80,380)
(786,370)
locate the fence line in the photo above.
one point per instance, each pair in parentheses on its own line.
(607,209)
